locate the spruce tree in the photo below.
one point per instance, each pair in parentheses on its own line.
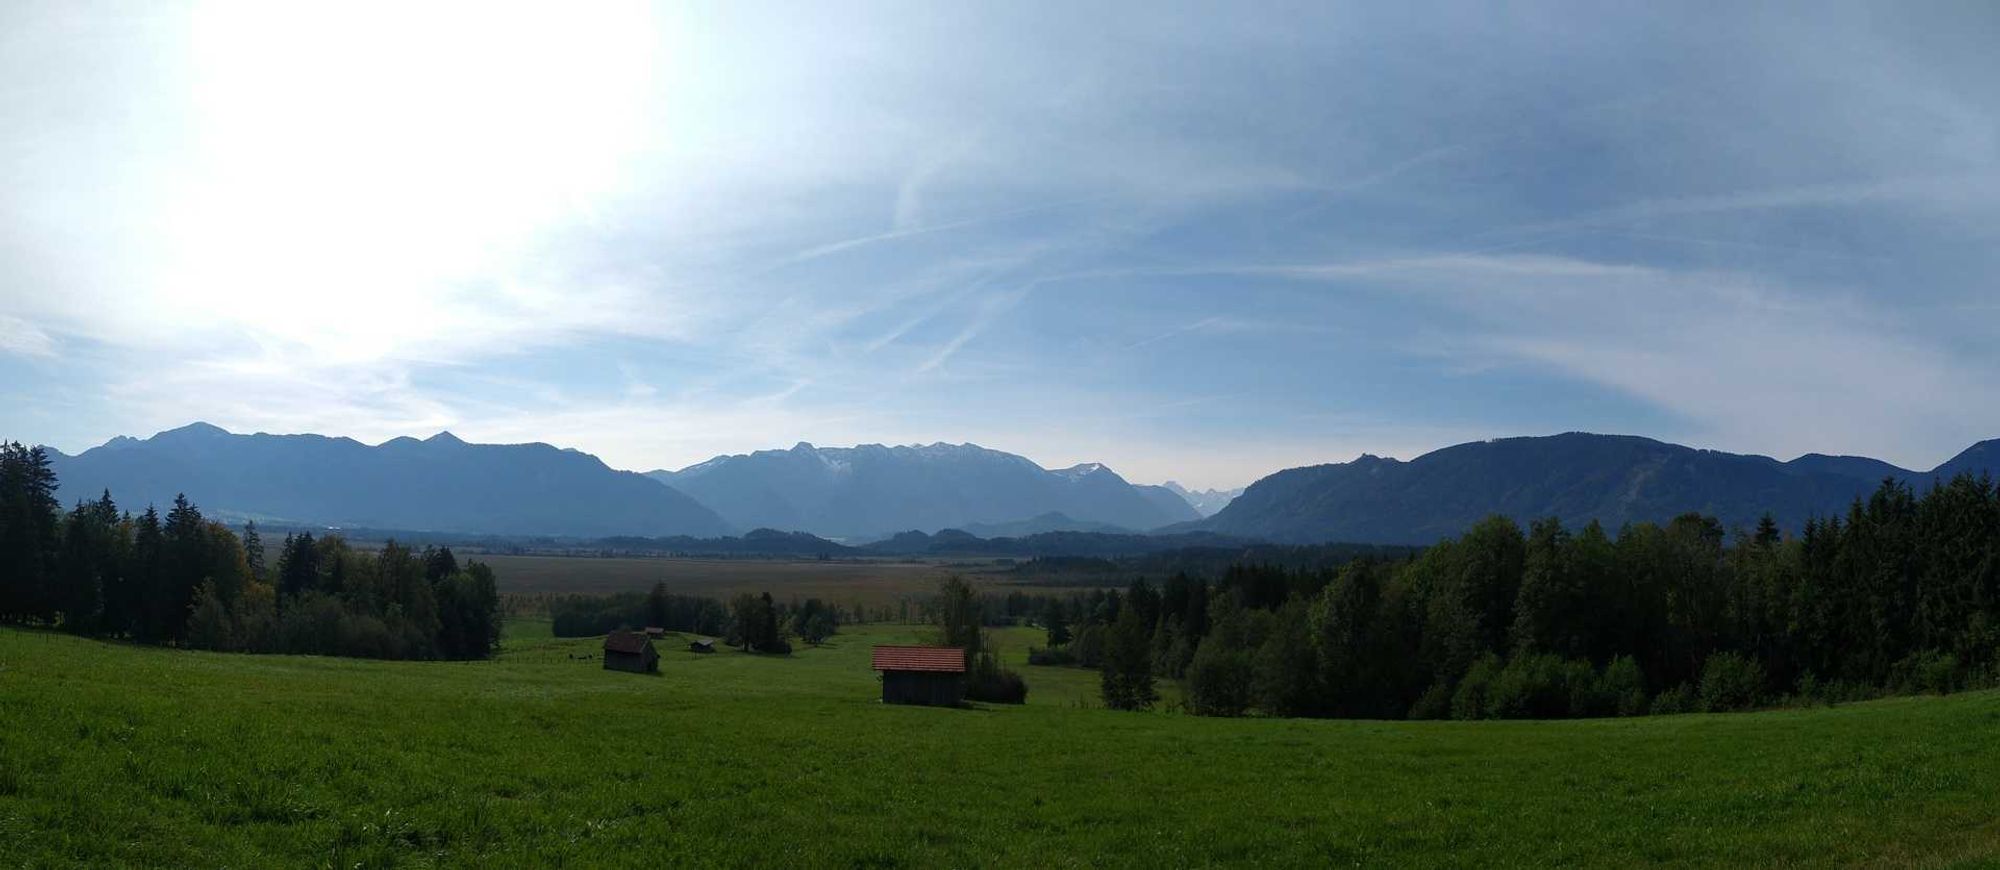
(1127,681)
(1056,621)
(144,577)
(253,552)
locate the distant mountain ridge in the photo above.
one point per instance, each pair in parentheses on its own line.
(1053,521)
(442,484)
(872,490)
(1206,502)
(956,542)
(1578,477)
(436,484)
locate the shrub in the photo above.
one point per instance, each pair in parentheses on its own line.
(1088,647)
(1929,671)
(1173,658)
(988,681)
(1286,678)
(1674,701)
(1731,681)
(1434,703)
(209,625)
(1625,685)
(310,624)
(1219,680)
(366,636)
(1814,690)
(1589,695)
(257,620)
(1810,690)
(1470,701)
(1529,687)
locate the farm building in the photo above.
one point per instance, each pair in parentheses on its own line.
(932,675)
(630,651)
(701,646)
(655,632)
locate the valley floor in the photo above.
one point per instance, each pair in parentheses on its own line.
(115,755)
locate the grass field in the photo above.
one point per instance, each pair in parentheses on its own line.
(115,755)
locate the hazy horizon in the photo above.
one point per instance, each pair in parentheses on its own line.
(917,444)
(1188,245)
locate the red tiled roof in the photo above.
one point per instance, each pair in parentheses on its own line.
(625,642)
(935,659)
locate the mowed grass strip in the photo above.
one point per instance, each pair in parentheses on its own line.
(120,755)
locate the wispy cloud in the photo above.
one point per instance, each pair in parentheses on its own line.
(990,309)
(21,337)
(707,229)
(1177,332)
(1975,189)
(1752,364)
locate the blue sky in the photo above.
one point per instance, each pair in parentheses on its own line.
(1200,243)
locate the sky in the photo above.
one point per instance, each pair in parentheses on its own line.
(1199,243)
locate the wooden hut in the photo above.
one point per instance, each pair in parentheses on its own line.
(930,675)
(655,632)
(630,651)
(701,646)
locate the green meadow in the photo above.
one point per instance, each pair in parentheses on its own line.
(119,755)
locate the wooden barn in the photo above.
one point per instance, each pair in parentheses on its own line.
(701,646)
(930,675)
(630,651)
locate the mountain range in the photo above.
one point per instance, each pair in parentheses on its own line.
(874,490)
(1577,477)
(946,492)
(437,484)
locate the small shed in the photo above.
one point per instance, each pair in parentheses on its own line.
(929,675)
(655,632)
(630,651)
(701,646)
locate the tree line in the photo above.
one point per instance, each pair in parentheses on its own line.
(751,621)
(186,580)
(1902,594)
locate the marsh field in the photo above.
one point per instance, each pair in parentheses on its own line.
(872,582)
(120,755)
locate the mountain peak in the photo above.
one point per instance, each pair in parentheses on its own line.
(1081,470)
(1983,457)
(196,429)
(444,437)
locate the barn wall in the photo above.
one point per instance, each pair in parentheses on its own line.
(917,687)
(632,662)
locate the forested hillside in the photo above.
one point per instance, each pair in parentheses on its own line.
(1901,592)
(183,579)
(1575,477)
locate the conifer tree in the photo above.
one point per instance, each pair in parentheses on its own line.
(253,552)
(1055,620)
(1127,680)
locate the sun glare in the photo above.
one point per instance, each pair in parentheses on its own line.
(408,161)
